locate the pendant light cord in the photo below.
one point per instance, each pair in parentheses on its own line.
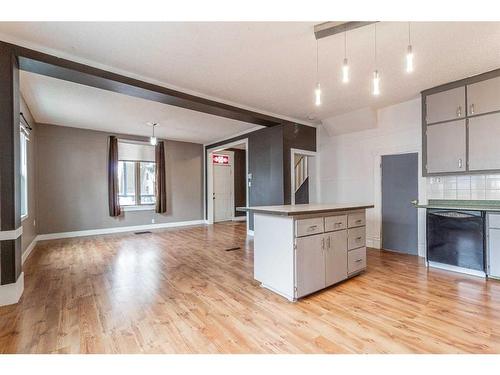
(375,25)
(317,62)
(345,42)
(409,38)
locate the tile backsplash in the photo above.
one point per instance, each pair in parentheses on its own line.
(474,187)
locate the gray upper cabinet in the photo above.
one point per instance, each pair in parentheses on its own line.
(484,136)
(483,97)
(446,105)
(446,147)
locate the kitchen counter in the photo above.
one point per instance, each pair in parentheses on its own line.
(304,209)
(471,205)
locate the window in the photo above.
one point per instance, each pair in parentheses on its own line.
(24,174)
(136,174)
(126,183)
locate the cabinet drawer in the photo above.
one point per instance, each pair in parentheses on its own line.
(356,260)
(356,219)
(306,227)
(335,223)
(494,221)
(356,238)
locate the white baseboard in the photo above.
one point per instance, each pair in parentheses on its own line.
(93,232)
(29,249)
(11,293)
(239,218)
(373,242)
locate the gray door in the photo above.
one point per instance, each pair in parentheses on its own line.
(399,188)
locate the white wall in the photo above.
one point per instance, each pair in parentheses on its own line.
(350,163)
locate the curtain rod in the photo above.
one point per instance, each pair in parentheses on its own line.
(26,121)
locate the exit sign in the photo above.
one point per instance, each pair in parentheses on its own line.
(220,159)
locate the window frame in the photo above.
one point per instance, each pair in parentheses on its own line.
(137,206)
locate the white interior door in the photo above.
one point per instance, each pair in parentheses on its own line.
(223,192)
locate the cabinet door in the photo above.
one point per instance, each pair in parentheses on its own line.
(310,264)
(336,257)
(446,105)
(483,96)
(446,147)
(484,149)
(494,253)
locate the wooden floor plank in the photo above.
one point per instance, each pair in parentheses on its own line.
(179,291)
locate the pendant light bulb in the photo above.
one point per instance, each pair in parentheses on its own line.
(345,71)
(376,83)
(409,59)
(152,140)
(317,95)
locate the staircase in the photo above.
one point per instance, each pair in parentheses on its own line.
(301,180)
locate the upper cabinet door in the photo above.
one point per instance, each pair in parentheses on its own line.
(483,97)
(484,151)
(446,105)
(446,147)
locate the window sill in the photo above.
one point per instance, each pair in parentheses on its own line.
(24,217)
(138,208)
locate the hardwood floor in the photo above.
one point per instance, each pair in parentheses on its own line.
(179,291)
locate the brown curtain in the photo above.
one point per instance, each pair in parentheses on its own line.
(161,185)
(114,203)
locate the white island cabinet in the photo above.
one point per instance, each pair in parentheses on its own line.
(300,249)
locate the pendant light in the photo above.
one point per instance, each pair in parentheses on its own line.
(409,53)
(153,141)
(317,91)
(345,65)
(376,77)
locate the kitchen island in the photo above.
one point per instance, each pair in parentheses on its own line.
(300,249)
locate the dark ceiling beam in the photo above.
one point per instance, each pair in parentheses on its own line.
(330,28)
(53,66)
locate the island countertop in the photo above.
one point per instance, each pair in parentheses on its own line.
(303,209)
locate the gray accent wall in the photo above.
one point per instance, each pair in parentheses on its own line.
(72,182)
(29,223)
(269,153)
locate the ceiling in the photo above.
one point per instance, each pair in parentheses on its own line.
(271,66)
(58,102)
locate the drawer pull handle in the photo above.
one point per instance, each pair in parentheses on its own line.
(359,238)
(312,227)
(338,224)
(359,221)
(358,260)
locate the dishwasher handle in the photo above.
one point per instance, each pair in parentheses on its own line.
(454,214)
